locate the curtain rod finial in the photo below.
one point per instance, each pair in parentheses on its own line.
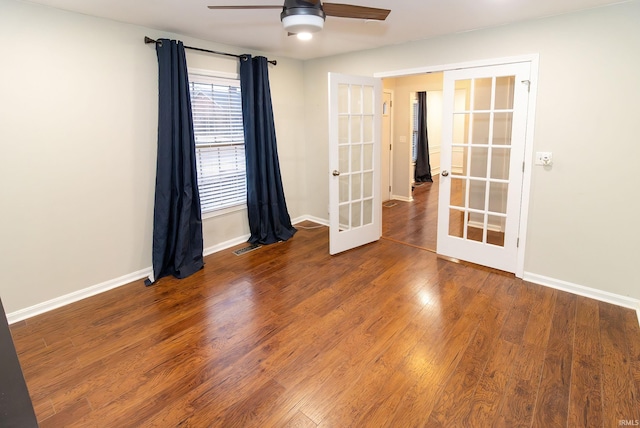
(148,40)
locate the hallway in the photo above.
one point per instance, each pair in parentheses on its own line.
(414,223)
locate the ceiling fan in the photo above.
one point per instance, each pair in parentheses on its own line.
(307,16)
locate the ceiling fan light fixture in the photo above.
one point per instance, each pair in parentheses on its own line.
(304,36)
(303,23)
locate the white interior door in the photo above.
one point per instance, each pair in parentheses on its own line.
(355,209)
(482,158)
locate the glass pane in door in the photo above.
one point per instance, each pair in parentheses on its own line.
(477,164)
(475,228)
(343,188)
(355,152)
(343,99)
(367,157)
(367,185)
(460,128)
(495,232)
(480,158)
(456,223)
(500,158)
(504,92)
(356,213)
(459,157)
(458,192)
(482,92)
(477,194)
(356,187)
(356,157)
(502,124)
(498,197)
(356,99)
(481,125)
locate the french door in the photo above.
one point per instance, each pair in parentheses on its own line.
(355,209)
(482,160)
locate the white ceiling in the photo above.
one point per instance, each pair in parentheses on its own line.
(261,30)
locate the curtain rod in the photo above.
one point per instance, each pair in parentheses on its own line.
(150,40)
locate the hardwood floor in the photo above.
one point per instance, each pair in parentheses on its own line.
(413,223)
(382,335)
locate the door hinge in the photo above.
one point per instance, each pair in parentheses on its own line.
(522,166)
(389,147)
(389,188)
(518,243)
(528,83)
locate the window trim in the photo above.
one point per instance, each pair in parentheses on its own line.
(414,130)
(222,75)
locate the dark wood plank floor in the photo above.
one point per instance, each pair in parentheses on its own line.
(383,335)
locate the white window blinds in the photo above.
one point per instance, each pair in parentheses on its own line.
(216,107)
(414,125)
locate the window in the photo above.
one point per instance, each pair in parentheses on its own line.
(414,125)
(220,156)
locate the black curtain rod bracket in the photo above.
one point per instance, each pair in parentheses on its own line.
(148,40)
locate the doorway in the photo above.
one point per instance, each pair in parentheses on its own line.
(411,215)
(413,223)
(401,176)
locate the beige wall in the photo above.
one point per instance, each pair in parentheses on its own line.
(78,131)
(581,227)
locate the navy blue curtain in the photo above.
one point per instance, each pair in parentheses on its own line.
(177,220)
(269,219)
(423,164)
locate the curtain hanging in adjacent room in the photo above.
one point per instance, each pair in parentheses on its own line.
(269,219)
(177,220)
(423,165)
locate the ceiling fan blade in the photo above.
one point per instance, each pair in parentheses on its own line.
(352,11)
(246,7)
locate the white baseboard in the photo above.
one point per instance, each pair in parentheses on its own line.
(224,245)
(40,308)
(491,227)
(233,242)
(580,290)
(322,221)
(401,198)
(58,302)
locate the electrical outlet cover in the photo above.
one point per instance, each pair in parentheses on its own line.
(544,158)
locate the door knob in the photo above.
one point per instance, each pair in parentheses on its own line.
(336,173)
(445,173)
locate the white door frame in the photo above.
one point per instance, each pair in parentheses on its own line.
(528,153)
(390,151)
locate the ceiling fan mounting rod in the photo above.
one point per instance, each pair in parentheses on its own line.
(315,11)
